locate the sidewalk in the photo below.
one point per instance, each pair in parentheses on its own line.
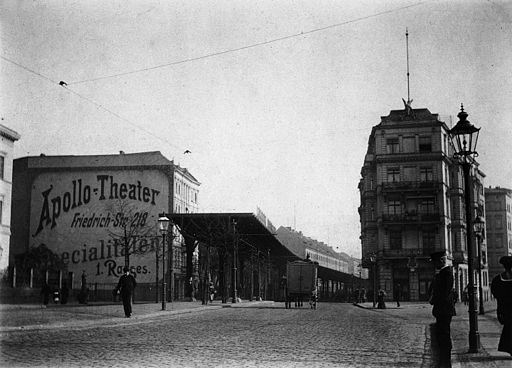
(75,316)
(489,330)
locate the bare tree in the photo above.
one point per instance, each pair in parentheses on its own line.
(130,223)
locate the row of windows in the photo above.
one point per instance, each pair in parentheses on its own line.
(426,173)
(423,206)
(186,191)
(409,145)
(498,222)
(428,239)
(498,240)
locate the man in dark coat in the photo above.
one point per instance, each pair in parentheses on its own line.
(443,310)
(501,288)
(125,287)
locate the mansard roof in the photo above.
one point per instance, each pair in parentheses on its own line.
(416,115)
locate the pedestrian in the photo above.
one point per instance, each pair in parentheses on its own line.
(125,287)
(443,309)
(45,292)
(380,299)
(501,288)
(83,295)
(465,297)
(64,293)
(211,292)
(397,293)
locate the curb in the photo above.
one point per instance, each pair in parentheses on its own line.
(107,322)
(116,321)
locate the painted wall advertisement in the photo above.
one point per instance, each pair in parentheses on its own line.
(86,217)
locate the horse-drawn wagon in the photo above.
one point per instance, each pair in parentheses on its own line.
(301,283)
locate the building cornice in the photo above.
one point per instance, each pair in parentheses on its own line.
(9,133)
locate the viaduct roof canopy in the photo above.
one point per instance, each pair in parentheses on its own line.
(217,229)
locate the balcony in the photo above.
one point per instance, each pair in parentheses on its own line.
(404,253)
(410,185)
(411,218)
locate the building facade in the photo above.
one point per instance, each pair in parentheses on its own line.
(412,203)
(498,203)
(99,213)
(7,139)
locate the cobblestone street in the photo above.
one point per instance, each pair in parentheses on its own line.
(265,335)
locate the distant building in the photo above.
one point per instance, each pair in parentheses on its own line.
(337,271)
(412,203)
(498,203)
(83,208)
(8,137)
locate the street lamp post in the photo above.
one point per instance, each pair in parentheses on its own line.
(163,224)
(235,256)
(359,294)
(373,261)
(465,137)
(479,232)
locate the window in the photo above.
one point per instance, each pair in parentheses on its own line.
(499,241)
(394,207)
(2,163)
(393,174)
(409,144)
(429,239)
(427,206)
(425,144)
(426,174)
(499,222)
(392,145)
(1,210)
(410,173)
(395,239)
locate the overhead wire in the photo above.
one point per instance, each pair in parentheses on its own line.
(258,44)
(97,104)
(263,43)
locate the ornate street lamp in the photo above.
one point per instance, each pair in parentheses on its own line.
(479,225)
(464,136)
(163,225)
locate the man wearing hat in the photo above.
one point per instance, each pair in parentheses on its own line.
(125,287)
(501,288)
(442,299)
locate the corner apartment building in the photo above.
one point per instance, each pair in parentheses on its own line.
(412,203)
(7,139)
(498,230)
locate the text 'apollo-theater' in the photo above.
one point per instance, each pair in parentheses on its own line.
(81,194)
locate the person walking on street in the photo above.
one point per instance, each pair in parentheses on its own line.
(501,288)
(380,299)
(443,309)
(397,294)
(125,287)
(45,292)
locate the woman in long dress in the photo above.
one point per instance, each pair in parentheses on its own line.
(501,288)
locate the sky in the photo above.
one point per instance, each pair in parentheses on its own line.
(274,99)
